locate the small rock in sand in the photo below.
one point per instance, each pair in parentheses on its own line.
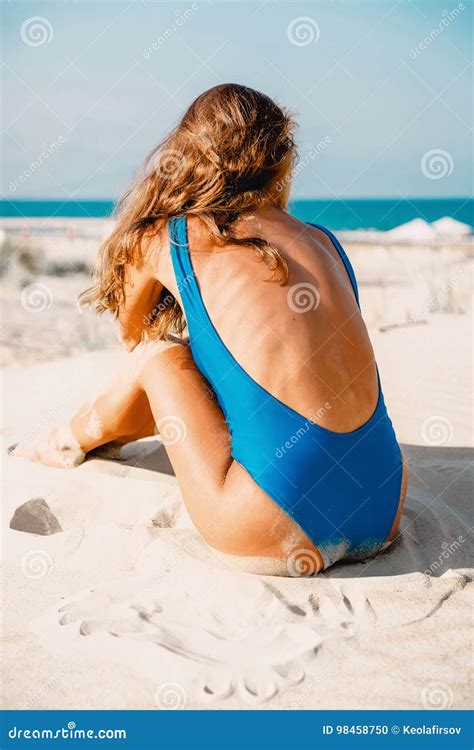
(36,517)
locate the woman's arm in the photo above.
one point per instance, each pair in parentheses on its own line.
(142,292)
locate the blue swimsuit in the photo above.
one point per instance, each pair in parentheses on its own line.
(342,489)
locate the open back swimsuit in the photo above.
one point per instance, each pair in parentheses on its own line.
(342,489)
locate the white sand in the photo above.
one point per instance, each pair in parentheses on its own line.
(127,608)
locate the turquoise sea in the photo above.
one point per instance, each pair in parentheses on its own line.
(365,213)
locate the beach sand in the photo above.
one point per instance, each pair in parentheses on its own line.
(127,608)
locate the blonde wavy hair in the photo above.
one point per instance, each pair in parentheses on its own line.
(232,152)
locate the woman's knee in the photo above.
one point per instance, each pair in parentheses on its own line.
(150,355)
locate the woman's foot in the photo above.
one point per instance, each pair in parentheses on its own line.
(118,415)
(59,449)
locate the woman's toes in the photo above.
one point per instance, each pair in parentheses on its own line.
(58,449)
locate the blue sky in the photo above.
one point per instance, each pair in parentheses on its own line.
(111,78)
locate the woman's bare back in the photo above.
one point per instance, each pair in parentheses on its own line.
(304,342)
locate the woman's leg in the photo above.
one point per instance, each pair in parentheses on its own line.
(403,491)
(231,512)
(161,390)
(121,413)
(117,415)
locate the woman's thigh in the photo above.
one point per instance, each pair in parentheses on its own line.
(232,513)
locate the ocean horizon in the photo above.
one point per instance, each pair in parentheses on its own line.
(354,214)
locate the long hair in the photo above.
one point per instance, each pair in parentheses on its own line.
(232,152)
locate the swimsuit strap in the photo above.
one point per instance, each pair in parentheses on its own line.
(342,254)
(179,252)
(195,311)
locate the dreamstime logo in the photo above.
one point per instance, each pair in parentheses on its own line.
(36,563)
(169,163)
(448,17)
(36,298)
(448,549)
(312,154)
(315,416)
(436,164)
(437,695)
(46,152)
(305,695)
(435,302)
(303,563)
(303,297)
(170,696)
(166,301)
(180,18)
(437,430)
(302,31)
(52,681)
(46,417)
(172,430)
(36,31)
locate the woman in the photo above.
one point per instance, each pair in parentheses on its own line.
(272,415)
